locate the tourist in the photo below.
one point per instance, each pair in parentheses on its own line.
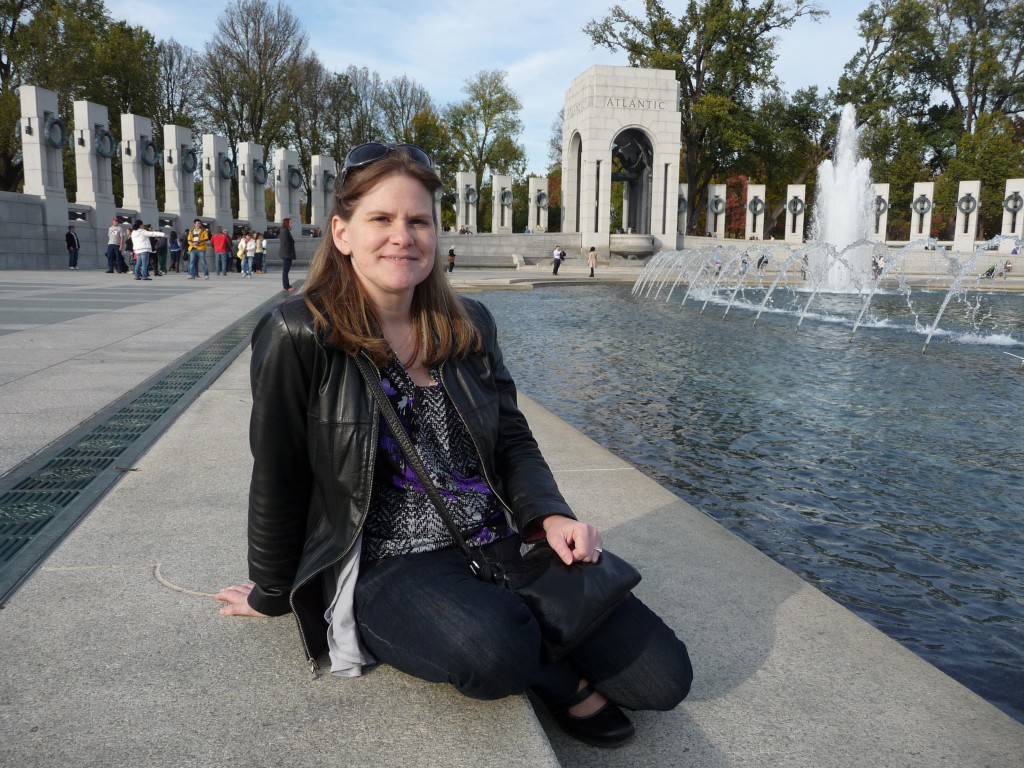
(174,246)
(762,263)
(1007,266)
(198,239)
(556,259)
(258,254)
(338,531)
(115,241)
(287,253)
(221,246)
(74,246)
(592,260)
(451,259)
(142,246)
(248,253)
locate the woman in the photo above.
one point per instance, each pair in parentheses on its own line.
(362,557)
(592,259)
(247,249)
(258,253)
(174,246)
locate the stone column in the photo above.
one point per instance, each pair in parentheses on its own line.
(715,225)
(880,214)
(1013,215)
(288,187)
(537,219)
(796,209)
(139,157)
(218,170)
(43,135)
(466,197)
(501,204)
(968,202)
(180,165)
(921,210)
(325,169)
(252,184)
(95,147)
(756,207)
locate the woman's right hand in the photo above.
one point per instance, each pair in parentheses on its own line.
(236,599)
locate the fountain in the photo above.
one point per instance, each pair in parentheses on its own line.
(838,274)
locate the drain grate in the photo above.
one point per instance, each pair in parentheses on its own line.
(45,498)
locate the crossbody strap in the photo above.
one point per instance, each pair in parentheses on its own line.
(477,564)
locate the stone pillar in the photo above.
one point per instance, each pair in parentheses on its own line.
(180,165)
(94,148)
(288,187)
(796,209)
(218,170)
(325,169)
(756,207)
(252,184)
(537,219)
(139,157)
(715,226)
(466,197)
(880,214)
(501,204)
(1013,215)
(968,203)
(43,135)
(921,210)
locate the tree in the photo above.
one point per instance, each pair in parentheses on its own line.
(940,63)
(179,85)
(485,127)
(722,52)
(248,70)
(401,100)
(312,96)
(363,122)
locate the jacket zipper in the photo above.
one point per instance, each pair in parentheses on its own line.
(314,668)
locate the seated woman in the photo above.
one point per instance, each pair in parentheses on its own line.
(342,534)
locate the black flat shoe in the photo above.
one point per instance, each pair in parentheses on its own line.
(608,727)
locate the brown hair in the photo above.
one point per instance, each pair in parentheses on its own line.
(343,315)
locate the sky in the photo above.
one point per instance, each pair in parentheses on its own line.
(442,43)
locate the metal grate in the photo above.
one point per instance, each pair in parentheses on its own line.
(48,498)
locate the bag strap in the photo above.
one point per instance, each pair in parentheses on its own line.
(479,565)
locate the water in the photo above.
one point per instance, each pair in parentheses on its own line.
(845,198)
(888,479)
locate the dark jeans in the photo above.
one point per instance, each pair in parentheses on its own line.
(286,265)
(428,616)
(72,257)
(112,253)
(557,264)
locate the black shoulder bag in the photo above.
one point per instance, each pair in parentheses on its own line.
(568,601)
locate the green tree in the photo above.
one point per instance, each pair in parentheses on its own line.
(485,128)
(722,52)
(992,154)
(941,63)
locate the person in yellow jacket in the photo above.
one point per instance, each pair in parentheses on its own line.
(198,239)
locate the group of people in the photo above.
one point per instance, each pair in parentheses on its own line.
(138,247)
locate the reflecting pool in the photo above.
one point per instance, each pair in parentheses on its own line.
(891,480)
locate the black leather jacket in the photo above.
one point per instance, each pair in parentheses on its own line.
(314,433)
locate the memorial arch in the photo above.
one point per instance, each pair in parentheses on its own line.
(621,136)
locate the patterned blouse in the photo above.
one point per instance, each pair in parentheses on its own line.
(402,519)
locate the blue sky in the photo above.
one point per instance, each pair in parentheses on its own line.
(442,43)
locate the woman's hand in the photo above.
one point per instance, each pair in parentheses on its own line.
(237,600)
(572,540)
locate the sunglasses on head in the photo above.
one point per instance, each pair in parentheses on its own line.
(371,152)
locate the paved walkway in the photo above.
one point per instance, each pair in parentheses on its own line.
(113,653)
